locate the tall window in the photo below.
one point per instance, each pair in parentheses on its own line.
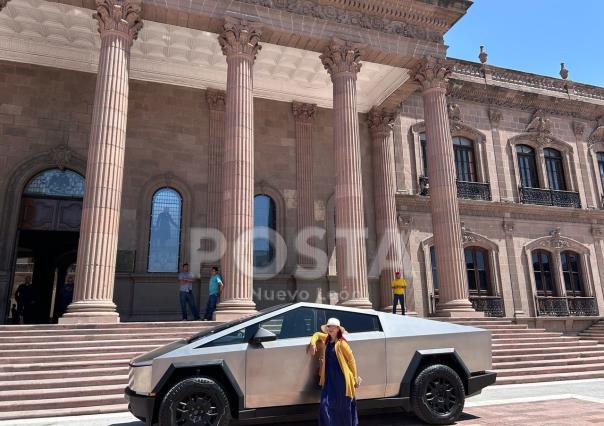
(465,166)
(600,157)
(265,216)
(164,238)
(477,270)
(56,183)
(423,153)
(527,166)
(542,267)
(433,265)
(555,171)
(571,270)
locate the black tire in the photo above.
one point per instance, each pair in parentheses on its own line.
(195,401)
(437,395)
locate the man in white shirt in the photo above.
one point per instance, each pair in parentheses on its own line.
(185,279)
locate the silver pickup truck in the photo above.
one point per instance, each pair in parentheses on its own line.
(258,367)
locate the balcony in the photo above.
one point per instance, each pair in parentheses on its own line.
(549,197)
(465,190)
(566,306)
(492,306)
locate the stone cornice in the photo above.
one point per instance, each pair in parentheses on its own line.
(425,20)
(409,204)
(119,16)
(240,38)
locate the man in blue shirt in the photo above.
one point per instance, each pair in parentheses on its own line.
(215,288)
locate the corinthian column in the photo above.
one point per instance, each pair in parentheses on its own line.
(3,4)
(433,75)
(303,117)
(119,23)
(239,42)
(342,61)
(390,253)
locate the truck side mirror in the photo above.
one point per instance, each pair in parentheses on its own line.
(263,335)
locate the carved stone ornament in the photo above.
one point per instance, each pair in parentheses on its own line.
(598,134)
(303,112)
(555,241)
(466,234)
(216,100)
(318,9)
(380,120)
(578,128)
(495,116)
(563,71)
(119,16)
(341,57)
(3,4)
(240,37)
(404,221)
(168,178)
(454,112)
(61,156)
(483,56)
(541,126)
(508,226)
(432,73)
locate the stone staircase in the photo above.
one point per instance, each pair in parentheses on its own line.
(59,370)
(595,332)
(528,355)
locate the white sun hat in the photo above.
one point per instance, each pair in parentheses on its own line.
(333,321)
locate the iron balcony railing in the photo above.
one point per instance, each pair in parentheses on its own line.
(492,306)
(549,197)
(465,190)
(566,306)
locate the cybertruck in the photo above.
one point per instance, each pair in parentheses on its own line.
(258,367)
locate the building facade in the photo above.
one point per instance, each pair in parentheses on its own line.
(120,150)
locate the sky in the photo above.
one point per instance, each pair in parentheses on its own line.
(535,36)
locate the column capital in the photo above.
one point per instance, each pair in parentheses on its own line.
(119,16)
(341,57)
(303,112)
(380,121)
(240,38)
(432,73)
(216,100)
(3,4)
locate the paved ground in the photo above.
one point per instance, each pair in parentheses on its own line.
(580,403)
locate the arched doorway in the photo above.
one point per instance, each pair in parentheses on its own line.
(47,240)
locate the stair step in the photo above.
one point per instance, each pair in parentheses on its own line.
(8,399)
(527,340)
(541,350)
(92,337)
(499,335)
(54,403)
(27,359)
(534,378)
(136,325)
(550,369)
(561,354)
(99,408)
(4,347)
(547,362)
(90,350)
(545,345)
(103,331)
(74,382)
(64,374)
(516,331)
(61,366)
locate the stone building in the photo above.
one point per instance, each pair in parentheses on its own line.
(118,150)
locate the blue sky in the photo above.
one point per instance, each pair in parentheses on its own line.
(535,36)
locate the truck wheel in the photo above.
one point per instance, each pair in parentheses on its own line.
(195,401)
(437,395)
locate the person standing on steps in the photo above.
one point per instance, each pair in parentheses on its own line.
(399,285)
(185,279)
(215,288)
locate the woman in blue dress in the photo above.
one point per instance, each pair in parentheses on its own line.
(338,376)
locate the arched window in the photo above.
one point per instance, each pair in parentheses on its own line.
(555,170)
(600,158)
(465,165)
(265,216)
(56,183)
(527,166)
(165,228)
(423,153)
(477,270)
(542,267)
(571,270)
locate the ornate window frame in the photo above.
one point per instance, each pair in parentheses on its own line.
(458,129)
(593,149)
(167,180)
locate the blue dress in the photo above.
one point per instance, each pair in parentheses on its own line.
(336,408)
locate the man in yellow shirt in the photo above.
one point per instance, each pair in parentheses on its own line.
(398,285)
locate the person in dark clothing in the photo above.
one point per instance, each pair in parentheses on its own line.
(65,295)
(25,300)
(16,319)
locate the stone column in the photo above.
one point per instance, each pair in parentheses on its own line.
(303,117)
(3,4)
(384,184)
(217,107)
(239,42)
(342,61)
(433,75)
(119,23)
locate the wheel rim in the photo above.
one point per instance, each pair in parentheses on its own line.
(196,409)
(440,396)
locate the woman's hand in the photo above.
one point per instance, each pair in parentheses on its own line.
(312,350)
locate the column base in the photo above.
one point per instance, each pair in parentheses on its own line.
(230,310)
(91,312)
(358,303)
(457,309)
